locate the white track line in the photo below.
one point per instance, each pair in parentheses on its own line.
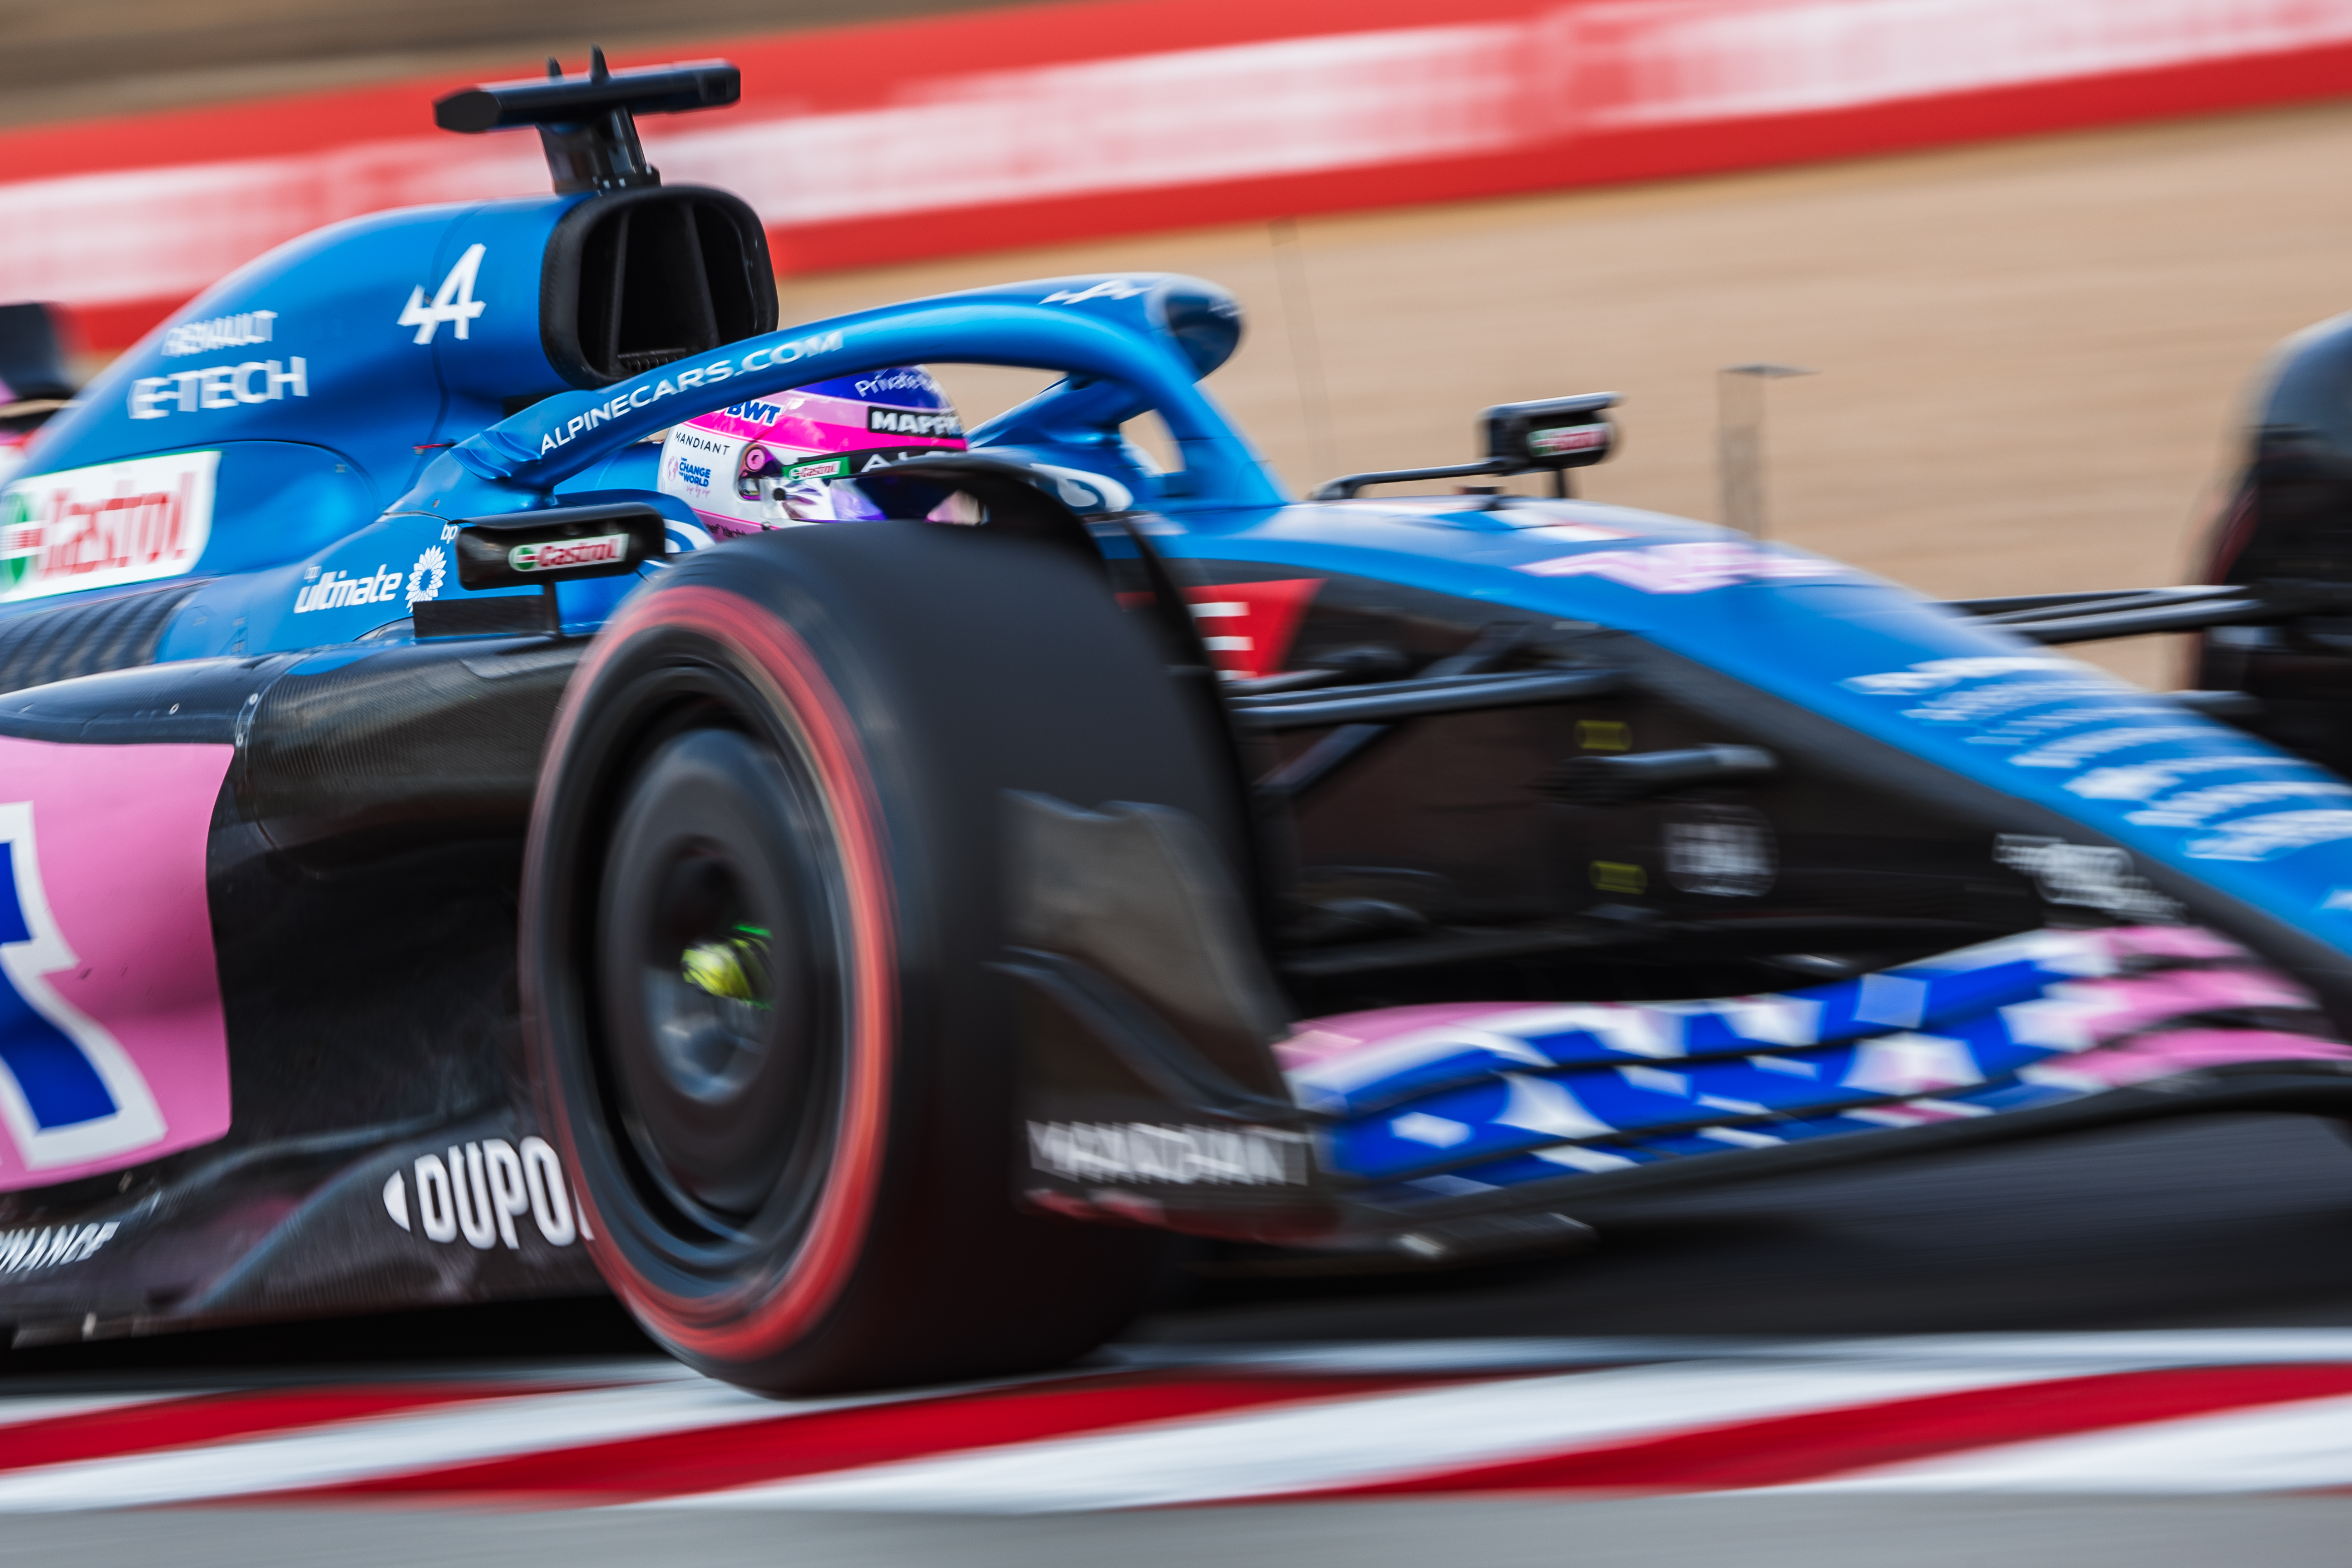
(1346,1441)
(2296,1446)
(384,1445)
(2132,1348)
(2143,1347)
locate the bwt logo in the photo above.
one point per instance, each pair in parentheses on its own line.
(756,413)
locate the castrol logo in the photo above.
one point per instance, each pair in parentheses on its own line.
(555,555)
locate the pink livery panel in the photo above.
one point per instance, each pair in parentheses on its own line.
(114,1047)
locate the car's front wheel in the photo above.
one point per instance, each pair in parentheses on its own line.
(762,894)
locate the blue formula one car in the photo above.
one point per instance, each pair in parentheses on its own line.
(458,846)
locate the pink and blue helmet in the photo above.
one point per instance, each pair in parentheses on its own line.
(795,459)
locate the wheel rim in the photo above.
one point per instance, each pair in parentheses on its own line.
(720,956)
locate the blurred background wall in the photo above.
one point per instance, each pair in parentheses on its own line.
(2035,247)
(72,59)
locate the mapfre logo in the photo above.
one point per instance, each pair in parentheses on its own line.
(912,422)
(97,527)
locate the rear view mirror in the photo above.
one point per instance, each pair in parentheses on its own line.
(1551,432)
(1553,435)
(560,544)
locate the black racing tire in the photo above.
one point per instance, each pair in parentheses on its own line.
(782,767)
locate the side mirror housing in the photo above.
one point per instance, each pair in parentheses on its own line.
(559,545)
(1551,433)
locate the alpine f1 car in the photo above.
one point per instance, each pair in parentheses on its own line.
(520,776)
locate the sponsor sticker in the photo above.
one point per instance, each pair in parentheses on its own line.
(1173,1156)
(132,522)
(1574,532)
(2087,876)
(1080,491)
(1566,440)
(1107,289)
(482,1191)
(2197,807)
(1725,851)
(2145,780)
(1690,568)
(913,422)
(1938,673)
(237,332)
(2071,752)
(46,1247)
(2062,718)
(672,383)
(2268,836)
(113,1046)
(216,386)
(1248,628)
(904,379)
(336,590)
(425,577)
(555,555)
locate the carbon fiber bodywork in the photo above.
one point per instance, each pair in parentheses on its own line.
(361,874)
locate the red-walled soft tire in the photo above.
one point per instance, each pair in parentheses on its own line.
(795,1134)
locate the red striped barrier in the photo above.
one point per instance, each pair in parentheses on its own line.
(674,1463)
(2199,1411)
(1817,1445)
(893,141)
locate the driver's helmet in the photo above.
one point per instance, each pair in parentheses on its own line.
(794,458)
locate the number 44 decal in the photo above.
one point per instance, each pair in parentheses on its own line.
(453,302)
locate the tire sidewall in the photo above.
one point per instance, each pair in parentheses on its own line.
(934,669)
(786,1296)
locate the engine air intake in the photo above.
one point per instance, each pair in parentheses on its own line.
(636,278)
